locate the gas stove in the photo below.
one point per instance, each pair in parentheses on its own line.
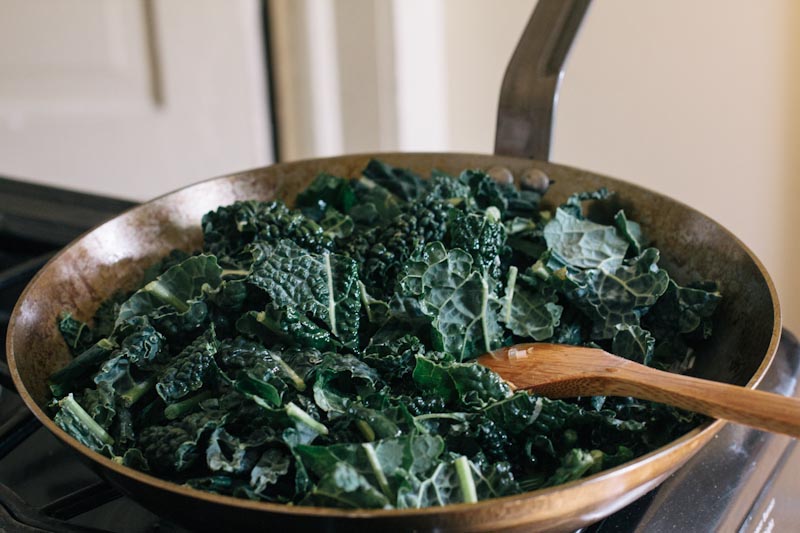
(744,480)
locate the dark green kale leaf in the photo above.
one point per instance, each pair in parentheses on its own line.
(582,243)
(617,292)
(325,286)
(344,487)
(630,231)
(394,359)
(72,418)
(77,334)
(339,379)
(466,385)
(336,225)
(174,300)
(486,191)
(374,205)
(193,368)
(482,236)
(529,307)
(231,454)
(176,287)
(286,324)
(681,315)
(634,343)
(382,467)
(381,251)
(399,181)
(75,374)
(270,470)
(327,191)
(458,299)
(143,345)
(175,447)
(230,229)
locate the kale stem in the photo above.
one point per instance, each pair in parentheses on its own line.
(297,381)
(88,361)
(512,282)
(132,395)
(68,403)
(331,292)
(175,410)
(372,457)
(433,416)
(465,480)
(298,415)
(485,315)
(366,430)
(362,290)
(234,272)
(157,289)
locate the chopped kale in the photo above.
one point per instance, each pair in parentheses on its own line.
(324,355)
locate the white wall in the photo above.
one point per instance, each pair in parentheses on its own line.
(696,99)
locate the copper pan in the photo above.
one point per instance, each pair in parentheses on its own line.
(116,253)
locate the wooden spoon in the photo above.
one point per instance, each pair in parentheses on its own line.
(564,371)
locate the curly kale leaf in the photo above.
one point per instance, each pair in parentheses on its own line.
(72,376)
(375,204)
(192,369)
(529,307)
(339,379)
(286,324)
(143,345)
(583,243)
(336,225)
(174,299)
(327,191)
(77,334)
(230,229)
(279,367)
(482,236)
(232,454)
(176,446)
(574,204)
(634,343)
(681,315)
(466,385)
(399,181)
(616,293)
(457,298)
(72,418)
(630,231)
(394,359)
(381,251)
(325,286)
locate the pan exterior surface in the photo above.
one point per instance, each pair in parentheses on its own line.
(114,256)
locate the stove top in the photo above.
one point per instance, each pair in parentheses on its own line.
(744,480)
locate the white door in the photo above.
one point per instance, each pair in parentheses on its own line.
(131,98)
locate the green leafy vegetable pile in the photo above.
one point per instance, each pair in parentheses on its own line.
(322,355)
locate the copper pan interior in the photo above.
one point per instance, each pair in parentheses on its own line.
(115,254)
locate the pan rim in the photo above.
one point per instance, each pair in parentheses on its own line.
(700,435)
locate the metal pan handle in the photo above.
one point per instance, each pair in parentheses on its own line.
(529,93)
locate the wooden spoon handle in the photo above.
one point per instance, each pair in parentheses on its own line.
(762,410)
